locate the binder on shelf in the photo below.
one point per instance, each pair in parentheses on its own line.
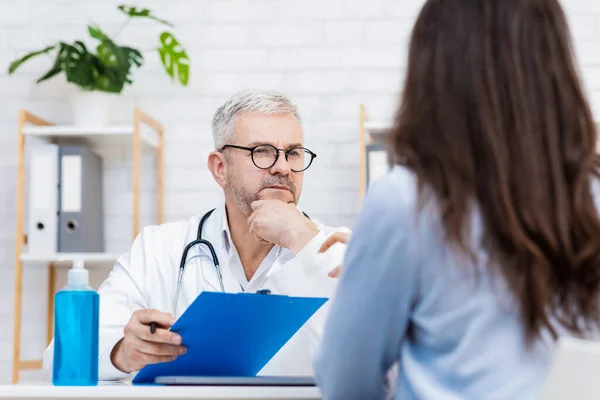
(377,162)
(42,229)
(81,205)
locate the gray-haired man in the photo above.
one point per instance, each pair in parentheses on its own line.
(261,238)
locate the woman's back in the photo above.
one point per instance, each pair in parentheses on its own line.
(453,326)
(464,334)
(482,247)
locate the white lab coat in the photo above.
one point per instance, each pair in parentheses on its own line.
(146,277)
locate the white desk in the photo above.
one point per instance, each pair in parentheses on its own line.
(127,392)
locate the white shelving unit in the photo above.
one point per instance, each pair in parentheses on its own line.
(64,259)
(97,136)
(377,128)
(145,132)
(103,140)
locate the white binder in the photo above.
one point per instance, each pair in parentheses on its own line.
(42,236)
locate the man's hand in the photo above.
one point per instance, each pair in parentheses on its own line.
(139,347)
(337,237)
(280,223)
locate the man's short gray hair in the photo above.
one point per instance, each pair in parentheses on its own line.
(252,101)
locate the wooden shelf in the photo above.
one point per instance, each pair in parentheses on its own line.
(96,137)
(60,259)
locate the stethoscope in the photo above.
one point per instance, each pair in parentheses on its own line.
(213,254)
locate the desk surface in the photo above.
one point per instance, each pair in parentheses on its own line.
(125,391)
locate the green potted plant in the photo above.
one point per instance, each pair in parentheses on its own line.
(108,68)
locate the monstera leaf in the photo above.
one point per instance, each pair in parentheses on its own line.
(108,51)
(90,72)
(174,58)
(17,63)
(56,68)
(116,61)
(112,54)
(110,81)
(110,78)
(106,54)
(142,12)
(78,64)
(97,33)
(133,56)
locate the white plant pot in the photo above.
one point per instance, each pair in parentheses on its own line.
(91,108)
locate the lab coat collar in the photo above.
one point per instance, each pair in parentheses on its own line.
(226,234)
(216,230)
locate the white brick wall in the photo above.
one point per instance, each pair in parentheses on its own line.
(328,55)
(343,33)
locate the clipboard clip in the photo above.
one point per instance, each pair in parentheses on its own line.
(263,291)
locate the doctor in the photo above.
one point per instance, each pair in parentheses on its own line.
(260,237)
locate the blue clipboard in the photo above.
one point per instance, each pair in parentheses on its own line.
(233,334)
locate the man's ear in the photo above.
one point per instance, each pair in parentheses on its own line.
(218,167)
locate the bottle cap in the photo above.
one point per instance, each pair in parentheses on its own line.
(78,275)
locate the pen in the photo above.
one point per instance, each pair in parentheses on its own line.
(152,327)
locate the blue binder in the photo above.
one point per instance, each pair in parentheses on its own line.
(233,334)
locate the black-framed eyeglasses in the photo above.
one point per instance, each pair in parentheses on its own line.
(264,156)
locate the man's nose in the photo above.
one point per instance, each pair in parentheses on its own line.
(281,167)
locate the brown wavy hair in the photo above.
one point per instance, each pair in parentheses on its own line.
(494,116)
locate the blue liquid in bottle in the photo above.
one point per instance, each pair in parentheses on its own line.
(76,324)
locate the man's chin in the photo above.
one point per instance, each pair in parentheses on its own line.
(276,194)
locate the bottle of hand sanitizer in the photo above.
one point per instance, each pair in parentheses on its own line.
(76,320)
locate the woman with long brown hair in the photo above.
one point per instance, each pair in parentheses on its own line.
(482,246)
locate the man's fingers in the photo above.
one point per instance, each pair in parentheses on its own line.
(335,273)
(260,240)
(144,359)
(148,315)
(253,224)
(253,216)
(159,349)
(337,237)
(159,336)
(252,230)
(256,204)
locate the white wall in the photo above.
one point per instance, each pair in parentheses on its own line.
(328,55)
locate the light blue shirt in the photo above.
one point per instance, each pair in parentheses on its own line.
(405,296)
